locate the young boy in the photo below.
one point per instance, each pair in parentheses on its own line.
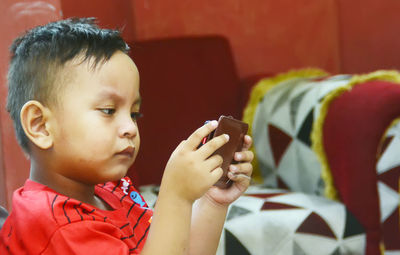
(74,99)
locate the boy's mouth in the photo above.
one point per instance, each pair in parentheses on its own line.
(127,152)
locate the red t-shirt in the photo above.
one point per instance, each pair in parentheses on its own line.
(43,221)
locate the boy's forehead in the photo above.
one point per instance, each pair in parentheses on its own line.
(116,78)
(115,94)
(93,65)
(72,69)
(89,63)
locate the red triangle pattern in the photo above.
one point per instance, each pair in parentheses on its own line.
(391,231)
(280,141)
(314,224)
(277,206)
(281,183)
(391,178)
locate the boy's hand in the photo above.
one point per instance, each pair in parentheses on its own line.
(209,212)
(239,173)
(190,171)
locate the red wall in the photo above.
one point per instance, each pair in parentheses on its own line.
(369,35)
(110,14)
(16,17)
(266,36)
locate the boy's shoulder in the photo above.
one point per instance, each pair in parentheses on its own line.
(32,220)
(39,214)
(36,203)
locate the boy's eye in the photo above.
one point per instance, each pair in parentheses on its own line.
(136,115)
(108,111)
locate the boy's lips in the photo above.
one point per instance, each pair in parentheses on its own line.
(128,152)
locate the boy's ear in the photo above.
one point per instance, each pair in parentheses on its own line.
(35,122)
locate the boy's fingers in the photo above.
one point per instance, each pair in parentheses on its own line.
(244,156)
(197,136)
(243,168)
(240,178)
(214,144)
(214,162)
(216,174)
(248,141)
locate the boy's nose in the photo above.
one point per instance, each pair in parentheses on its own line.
(128,129)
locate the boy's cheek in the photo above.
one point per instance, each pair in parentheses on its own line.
(137,146)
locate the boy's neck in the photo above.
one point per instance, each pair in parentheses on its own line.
(67,187)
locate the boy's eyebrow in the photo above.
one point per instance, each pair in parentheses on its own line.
(111,94)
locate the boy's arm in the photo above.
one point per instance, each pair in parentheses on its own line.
(189,174)
(207,223)
(170,227)
(209,211)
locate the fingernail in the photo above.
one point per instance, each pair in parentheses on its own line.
(214,123)
(227,137)
(233,168)
(238,156)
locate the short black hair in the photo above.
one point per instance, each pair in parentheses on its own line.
(39,55)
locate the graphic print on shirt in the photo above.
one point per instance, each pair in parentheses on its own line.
(137,198)
(125,185)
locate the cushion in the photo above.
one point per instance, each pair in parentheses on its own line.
(275,221)
(267,221)
(257,93)
(282,125)
(346,137)
(321,135)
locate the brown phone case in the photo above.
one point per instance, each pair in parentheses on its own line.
(236,130)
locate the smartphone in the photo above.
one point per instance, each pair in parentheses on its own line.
(236,130)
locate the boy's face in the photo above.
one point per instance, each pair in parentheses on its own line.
(95,135)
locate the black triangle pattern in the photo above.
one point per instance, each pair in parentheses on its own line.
(237,211)
(297,250)
(233,246)
(282,100)
(352,227)
(336,252)
(305,130)
(294,107)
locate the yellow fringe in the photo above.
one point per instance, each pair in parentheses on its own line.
(382,248)
(317,133)
(258,92)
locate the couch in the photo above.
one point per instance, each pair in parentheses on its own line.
(304,199)
(336,137)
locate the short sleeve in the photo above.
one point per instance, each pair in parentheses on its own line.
(87,237)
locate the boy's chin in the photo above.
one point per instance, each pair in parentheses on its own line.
(105,175)
(117,175)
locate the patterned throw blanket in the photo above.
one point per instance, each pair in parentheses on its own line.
(287,116)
